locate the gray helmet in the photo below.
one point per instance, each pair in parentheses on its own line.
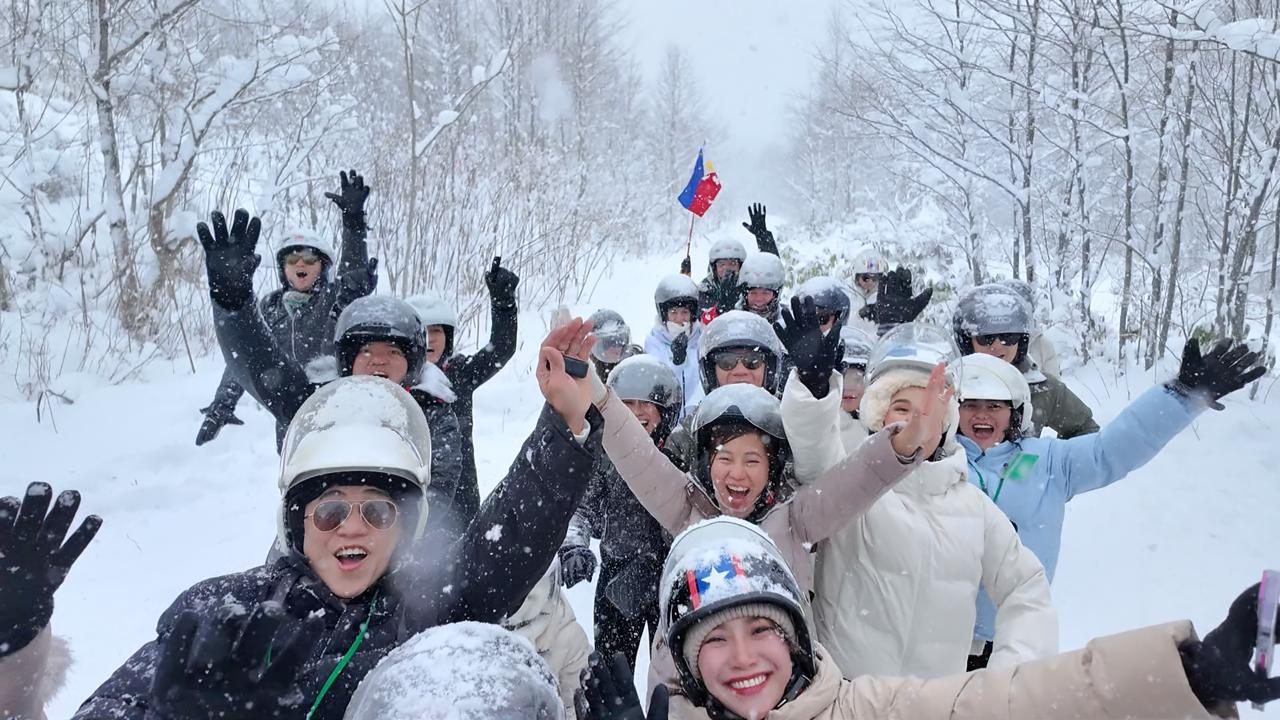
(645,377)
(828,294)
(675,290)
(374,318)
(613,335)
(742,404)
(763,270)
(739,329)
(992,309)
(1023,288)
(726,249)
(857,346)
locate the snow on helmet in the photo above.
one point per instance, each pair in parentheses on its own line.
(304,240)
(460,671)
(433,309)
(870,262)
(1023,288)
(723,568)
(374,318)
(613,335)
(986,377)
(763,270)
(992,309)
(857,346)
(744,406)
(645,377)
(828,294)
(739,329)
(916,345)
(355,430)
(675,291)
(726,249)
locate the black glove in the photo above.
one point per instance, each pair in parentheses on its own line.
(1228,367)
(608,692)
(686,266)
(577,563)
(229,259)
(1218,667)
(728,292)
(215,417)
(501,283)
(868,312)
(813,353)
(756,227)
(233,665)
(350,198)
(680,348)
(894,304)
(35,560)
(372,273)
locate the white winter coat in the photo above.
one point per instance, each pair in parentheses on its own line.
(546,620)
(895,589)
(31,677)
(658,344)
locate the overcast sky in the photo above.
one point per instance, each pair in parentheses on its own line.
(752,57)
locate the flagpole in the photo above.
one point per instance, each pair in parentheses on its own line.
(688,245)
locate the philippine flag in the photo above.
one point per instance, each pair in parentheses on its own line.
(702,188)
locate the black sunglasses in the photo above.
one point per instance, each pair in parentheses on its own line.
(729,359)
(865,277)
(330,514)
(1006,339)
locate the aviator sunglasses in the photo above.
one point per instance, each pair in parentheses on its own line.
(330,514)
(301,255)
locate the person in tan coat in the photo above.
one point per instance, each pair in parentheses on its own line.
(742,626)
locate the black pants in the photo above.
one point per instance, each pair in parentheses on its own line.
(979,662)
(615,631)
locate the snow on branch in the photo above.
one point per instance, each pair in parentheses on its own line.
(481,76)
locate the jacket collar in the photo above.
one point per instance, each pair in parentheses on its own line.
(935,477)
(971,449)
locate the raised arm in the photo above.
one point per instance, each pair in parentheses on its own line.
(813,427)
(758,228)
(356,272)
(1026,622)
(467,373)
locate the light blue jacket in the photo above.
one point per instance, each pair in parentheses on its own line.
(658,344)
(1065,468)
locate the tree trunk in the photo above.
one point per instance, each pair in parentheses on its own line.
(1184,169)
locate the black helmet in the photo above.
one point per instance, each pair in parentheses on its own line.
(383,318)
(739,329)
(828,294)
(645,377)
(721,564)
(751,408)
(992,309)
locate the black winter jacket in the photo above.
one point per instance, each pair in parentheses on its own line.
(707,286)
(307,333)
(466,373)
(482,576)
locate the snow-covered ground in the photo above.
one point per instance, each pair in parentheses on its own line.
(1180,538)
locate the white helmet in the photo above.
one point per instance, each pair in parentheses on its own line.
(857,346)
(986,377)
(433,309)
(870,262)
(363,425)
(726,249)
(304,240)
(674,290)
(763,270)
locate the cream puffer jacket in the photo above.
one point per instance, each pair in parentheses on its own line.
(896,589)
(546,620)
(1131,676)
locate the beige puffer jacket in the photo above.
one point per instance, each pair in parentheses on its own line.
(546,620)
(1130,676)
(813,513)
(31,677)
(897,588)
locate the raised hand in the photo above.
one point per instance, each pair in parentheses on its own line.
(680,348)
(351,195)
(233,665)
(1226,368)
(924,429)
(686,266)
(35,559)
(1217,667)
(501,283)
(608,692)
(894,304)
(757,227)
(814,354)
(569,396)
(229,257)
(728,292)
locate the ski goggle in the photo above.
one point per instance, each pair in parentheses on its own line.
(330,514)
(306,256)
(728,359)
(1006,339)
(867,277)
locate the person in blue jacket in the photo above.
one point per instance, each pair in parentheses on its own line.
(1032,478)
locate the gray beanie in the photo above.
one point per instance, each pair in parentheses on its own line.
(698,633)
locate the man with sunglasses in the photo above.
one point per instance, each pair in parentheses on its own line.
(357,577)
(993,319)
(301,312)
